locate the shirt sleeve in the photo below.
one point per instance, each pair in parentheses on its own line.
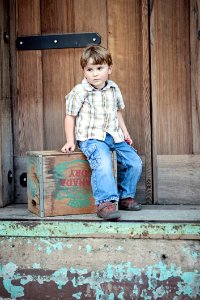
(74,102)
(120,100)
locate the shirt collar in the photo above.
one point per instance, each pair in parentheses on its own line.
(88,87)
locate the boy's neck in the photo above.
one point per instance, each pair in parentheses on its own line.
(99,89)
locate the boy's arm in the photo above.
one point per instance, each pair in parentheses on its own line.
(123,128)
(69,131)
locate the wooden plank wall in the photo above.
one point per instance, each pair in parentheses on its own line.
(195,72)
(28,91)
(44,77)
(129,45)
(171,76)
(175,66)
(58,74)
(6,147)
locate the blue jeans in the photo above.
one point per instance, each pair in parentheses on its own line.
(102,180)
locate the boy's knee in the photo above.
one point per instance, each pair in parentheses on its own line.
(136,164)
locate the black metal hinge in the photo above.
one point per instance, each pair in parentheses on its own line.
(57,41)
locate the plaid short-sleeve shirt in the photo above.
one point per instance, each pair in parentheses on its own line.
(95,111)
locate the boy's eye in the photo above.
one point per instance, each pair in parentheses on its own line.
(89,70)
(100,68)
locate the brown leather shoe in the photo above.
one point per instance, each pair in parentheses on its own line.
(129,204)
(108,211)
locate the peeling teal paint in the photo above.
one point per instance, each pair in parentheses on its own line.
(88,248)
(97,229)
(7,272)
(77,295)
(135,290)
(157,275)
(191,252)
(110,281)
(120,248)
(36,266)
(60,277)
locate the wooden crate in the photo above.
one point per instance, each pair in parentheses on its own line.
(59,184)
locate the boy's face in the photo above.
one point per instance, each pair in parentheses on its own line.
(97,75)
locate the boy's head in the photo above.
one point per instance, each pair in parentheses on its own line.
(97,54)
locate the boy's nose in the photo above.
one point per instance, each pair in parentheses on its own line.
(95,72)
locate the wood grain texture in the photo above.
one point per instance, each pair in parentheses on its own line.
(154,89)
(89,16)
(58,72)
(125,44)
(28,107)
(195,72)
(6,147)
(178,179)
(147,102)
(128,44)
(171,76)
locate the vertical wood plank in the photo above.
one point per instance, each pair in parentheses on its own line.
(89,16)
(128,51)
(154,89)
(6,147)
(172,78)
(146,99)
(28,105)
(125,44)
(195,72)
(58,71)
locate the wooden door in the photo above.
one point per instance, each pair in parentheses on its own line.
(175,80)
(156,56)
(41,79)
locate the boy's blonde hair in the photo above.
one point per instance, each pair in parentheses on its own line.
(99,55)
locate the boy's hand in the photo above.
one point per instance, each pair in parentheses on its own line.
(68,147)
(128,139)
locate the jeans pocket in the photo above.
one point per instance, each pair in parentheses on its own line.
(93,155)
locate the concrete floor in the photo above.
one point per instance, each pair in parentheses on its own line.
(149,213)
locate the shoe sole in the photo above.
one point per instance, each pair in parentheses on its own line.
(115,215)
(129,209)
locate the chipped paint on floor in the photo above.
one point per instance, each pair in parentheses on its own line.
(93,268)
(100,229)
(113,282)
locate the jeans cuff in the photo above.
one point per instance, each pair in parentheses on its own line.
(127,196)
(115,199)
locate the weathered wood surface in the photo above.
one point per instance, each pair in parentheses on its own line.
(86,21)
(59,184)
(28,107)
(57,71)
(175,99)
(195,72)
(125,44)
(128,44)
(179,179)
(170,52)
(43,78)
(40,103)
(147,103)
(6,146)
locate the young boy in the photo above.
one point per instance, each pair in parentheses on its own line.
(94,118)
